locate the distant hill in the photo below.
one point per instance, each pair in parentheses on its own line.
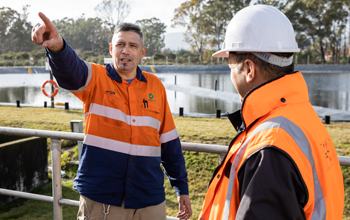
(176,41)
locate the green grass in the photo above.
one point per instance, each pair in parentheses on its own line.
(33,209)
(199,165)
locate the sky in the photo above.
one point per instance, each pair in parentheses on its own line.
(140,9)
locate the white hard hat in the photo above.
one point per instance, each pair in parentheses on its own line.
(259,28)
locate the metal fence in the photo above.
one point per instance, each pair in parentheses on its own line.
(56,137)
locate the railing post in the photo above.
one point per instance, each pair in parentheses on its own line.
(56,178)
(77,126)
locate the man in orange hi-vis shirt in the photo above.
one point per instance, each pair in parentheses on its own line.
(282,163)
(129,129)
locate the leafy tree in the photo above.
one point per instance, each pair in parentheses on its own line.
(339,16)
(321,20)
(153,30)
(112,12)
(218,14)
(7,18)
(191,15)
(84,34)
(14,30)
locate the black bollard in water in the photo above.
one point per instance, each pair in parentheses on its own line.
(327,119)
(45,104)
(181,111)
(18,104)
(216,85)
(218,113)
(66,106)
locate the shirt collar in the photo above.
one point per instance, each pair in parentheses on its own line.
(236,119)
(286,89)
(115,76)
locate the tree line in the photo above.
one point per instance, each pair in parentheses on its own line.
(320,27)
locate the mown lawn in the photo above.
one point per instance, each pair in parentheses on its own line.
(200,166)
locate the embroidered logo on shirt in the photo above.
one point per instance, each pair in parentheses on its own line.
(151,96)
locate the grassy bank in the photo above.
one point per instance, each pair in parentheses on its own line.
(200,166)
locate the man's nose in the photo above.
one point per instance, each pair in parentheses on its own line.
(125,50)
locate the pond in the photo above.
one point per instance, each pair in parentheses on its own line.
(329,90)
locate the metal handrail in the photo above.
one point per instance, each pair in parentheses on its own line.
(55,136)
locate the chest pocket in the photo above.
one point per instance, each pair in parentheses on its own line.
(112,112)
(151,118)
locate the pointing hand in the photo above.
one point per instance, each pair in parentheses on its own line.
(47,35)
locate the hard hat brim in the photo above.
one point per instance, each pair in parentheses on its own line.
(225,52)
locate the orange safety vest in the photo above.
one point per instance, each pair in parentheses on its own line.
(283,118)
(110,106)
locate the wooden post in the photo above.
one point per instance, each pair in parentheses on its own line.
(181,112)
(52,91)
(218,113)
(327,119)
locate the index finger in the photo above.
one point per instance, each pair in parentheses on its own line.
(46,21)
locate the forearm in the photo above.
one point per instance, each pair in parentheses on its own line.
(69,70)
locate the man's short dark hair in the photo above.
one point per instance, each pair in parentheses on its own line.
(268,70)
(128,27)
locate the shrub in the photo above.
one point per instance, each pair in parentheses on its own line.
(158,56)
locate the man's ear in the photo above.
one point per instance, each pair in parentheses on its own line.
(143,52)
(110,49)
(250,71)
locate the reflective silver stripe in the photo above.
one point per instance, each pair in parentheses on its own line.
(117,114)
(122,147)
(87,80)
(303,143)
(85,115)
(169,136)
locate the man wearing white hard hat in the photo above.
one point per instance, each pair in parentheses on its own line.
(282,163)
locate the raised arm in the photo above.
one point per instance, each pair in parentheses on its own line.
(69,70)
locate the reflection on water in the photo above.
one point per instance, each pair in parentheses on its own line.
(325,89)
(329,90)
